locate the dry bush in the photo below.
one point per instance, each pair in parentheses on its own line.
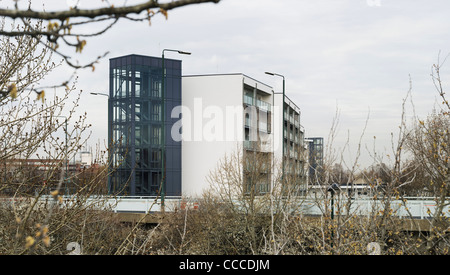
(38,139)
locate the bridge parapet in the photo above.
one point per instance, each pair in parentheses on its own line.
(415,208)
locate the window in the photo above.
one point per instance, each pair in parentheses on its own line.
(137,111)
(137,87)
(156,111)
(156,135)
(248,99)
(156,180)
(119,111)
(156,88)
(156,158)
(137,135)
(156,155)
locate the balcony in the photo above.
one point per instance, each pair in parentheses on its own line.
(257,146)
(250,145)
(264,106)
(248,100)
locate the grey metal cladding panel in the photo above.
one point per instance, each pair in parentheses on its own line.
(146,61)
(157,63)
(173,88)
(111,91)
(176,73)
(177,65)
(174,64)
(176,85)
(139,60)
(119,62)
(168,136)
(176,88)
(169,88)
(173,183)
(177,158)
(173,158)
(168,64)
(169,158)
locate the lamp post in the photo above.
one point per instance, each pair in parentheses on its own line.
(333,188)
(100,94)
(284,93)
(109,116)
(163,130)
(110,142)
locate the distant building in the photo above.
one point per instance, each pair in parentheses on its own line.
(83,158)
(315,145)
(35,174)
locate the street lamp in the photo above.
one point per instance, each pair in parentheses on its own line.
(109,115)
(284,92)
(163,130)
(110,142)
(100,94)
(333,188)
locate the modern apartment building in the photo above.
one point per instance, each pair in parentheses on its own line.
(315,148)
(182,127)
(140,151)
(224,115)
(234,113)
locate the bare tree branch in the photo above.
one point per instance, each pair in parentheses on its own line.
(60,25)
(94,13)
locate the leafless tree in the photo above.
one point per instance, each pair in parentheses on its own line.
(429,143)
(39,136)
(67,27)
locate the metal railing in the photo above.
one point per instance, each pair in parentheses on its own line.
(417,208)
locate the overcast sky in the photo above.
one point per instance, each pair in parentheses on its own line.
(354,55)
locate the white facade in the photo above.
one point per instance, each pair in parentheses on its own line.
(222,114)
(214,124)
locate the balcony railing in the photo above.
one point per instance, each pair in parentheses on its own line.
(248,100)
(263,105)
(257,146)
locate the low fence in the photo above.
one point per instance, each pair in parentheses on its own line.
(416,208)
